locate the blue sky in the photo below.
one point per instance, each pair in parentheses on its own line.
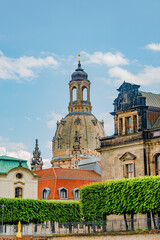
(39,43)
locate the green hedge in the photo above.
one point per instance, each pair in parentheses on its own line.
(126,196)
(29,210)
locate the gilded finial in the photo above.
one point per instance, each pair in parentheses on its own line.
(79,55)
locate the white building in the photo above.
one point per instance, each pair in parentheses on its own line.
(16,179)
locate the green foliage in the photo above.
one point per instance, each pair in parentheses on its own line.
(29,210)
(137,195)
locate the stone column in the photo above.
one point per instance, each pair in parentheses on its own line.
(132,124)
(88,94)
(71,97)
(124,126)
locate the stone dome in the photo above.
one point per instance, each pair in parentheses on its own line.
(84,126)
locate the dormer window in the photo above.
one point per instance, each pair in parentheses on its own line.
(45,193)
(63,193)
(76,193)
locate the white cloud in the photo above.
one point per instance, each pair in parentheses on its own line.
(149,75)
(46,163)
(49,145)
(108,122)
(23,67)
(107,58)
(28,118)
(153,46)
(11,146)
(13,149)
(17,150)
(54,118)
(22,154)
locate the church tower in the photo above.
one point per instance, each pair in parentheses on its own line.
(80,89)
(36,162)
(77,135)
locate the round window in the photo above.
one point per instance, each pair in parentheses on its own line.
(19,175)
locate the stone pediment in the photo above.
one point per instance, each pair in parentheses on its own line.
(127,156)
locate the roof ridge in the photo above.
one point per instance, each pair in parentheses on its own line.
(9,158)
(150,93)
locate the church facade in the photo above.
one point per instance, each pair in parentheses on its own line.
(77,135)
(134,149)
(75,161)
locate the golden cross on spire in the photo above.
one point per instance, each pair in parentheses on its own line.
(79,55)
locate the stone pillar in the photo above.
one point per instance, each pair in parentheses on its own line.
(124,126)
(116,125)
(79,94)
(71,97)
(132,124)
(88,94)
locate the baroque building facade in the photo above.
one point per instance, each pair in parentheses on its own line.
(77,135)
(16,179)
(134,149)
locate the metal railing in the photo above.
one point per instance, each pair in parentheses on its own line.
(83,227)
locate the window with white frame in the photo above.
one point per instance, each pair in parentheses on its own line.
(45,193)
(76,193)
(63,193)
(130,170)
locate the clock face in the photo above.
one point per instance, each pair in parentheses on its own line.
(76,163)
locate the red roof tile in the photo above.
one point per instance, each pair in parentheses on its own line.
(99,162)
(54,178)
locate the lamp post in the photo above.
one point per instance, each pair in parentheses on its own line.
(2,207)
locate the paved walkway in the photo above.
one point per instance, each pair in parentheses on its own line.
(123,237)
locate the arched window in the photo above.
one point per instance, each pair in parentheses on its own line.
(84,94)
(18,192)
(76,193)
(63,193)
(45,193)
(157,164)
(74,94)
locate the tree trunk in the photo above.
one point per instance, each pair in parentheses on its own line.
(104,217)
(70,227)
(53,227)
(125,219)
(149,220)
(154,221)
(132,221)
(94,227)
(35,227)
(158,220)
(89,227)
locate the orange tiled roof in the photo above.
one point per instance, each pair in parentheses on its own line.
(54,178)
(45,172)
(67,173)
